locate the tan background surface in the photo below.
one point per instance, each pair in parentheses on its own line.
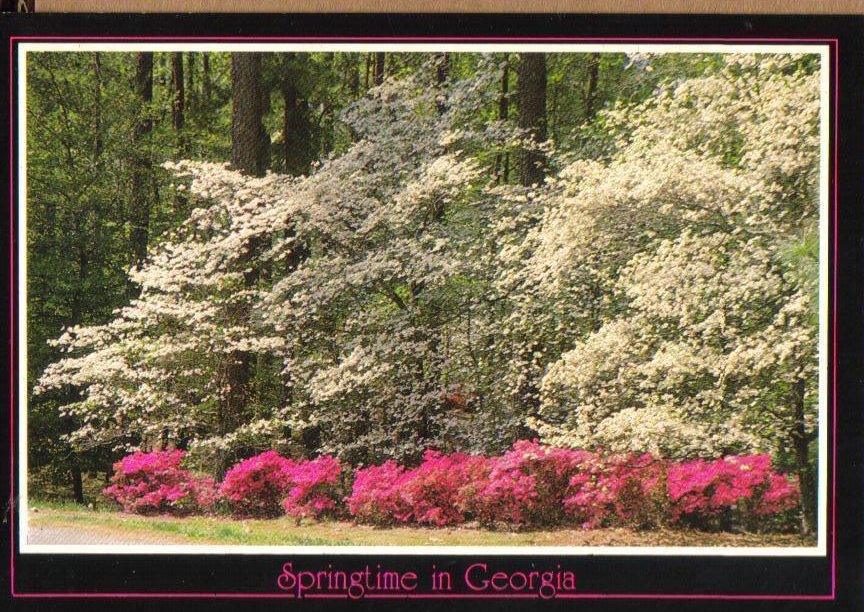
(442,6)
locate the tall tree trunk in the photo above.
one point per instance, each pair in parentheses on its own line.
(178,106)
(206,86)
(427,372)
(532,118)
(801,444)
(77,481)
(296,129)
(76,313)
(98,143)
(191,94)
(442,70)
(298,156)
(249,156)
(378,75)
(178,117)
(249,140)
(591,89)
(354,78)
(142,166)
(532,114)
(502,160)
(367,72)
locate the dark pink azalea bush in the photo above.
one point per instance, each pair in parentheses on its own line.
(435,492)
(156,482)
(538,485)
(376,496)
(699,490)
(256,486)
(530,485)
(313,488)
(270,484)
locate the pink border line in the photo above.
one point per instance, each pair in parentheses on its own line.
(392,39)
(13,234)
(834,46)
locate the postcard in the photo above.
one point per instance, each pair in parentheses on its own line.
(517,308)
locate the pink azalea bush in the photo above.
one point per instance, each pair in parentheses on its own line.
(537,485)
(436,491)
(314,488)
(376,495)
(530,485)
(270,484)
(526,485)
(256,486)
(625,489)
(433,493)
(147,483)
(699,490)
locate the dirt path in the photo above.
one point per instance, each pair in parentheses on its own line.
(88,534)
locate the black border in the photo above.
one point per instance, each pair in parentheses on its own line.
(631,574)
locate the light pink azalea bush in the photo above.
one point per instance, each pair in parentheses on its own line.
(526,485)
(148,483)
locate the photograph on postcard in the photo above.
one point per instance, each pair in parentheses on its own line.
(423,298)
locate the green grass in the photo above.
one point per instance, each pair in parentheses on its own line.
(193,529)
(286,531)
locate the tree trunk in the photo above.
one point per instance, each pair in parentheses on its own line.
(801,444)
(76,312)
(77,482)
(248,138)
(178,117)
(442,70)
(97,110)
(502,160)
(591,90)
(354,79)
(142,166)
(206,87)
(532,119)
(178,106)
(378,75)
(191,94)
(249,156)
(368,70)
(532,114)
(296,129)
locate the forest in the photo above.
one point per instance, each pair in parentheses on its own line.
(389,263)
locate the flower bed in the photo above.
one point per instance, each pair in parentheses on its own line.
(531,485)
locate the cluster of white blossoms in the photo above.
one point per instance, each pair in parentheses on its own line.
(707,343)
(357,266)
(403,300)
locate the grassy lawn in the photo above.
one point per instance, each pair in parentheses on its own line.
(286,532)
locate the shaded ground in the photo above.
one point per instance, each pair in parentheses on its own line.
(73,525)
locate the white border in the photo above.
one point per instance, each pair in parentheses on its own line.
(823,50)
